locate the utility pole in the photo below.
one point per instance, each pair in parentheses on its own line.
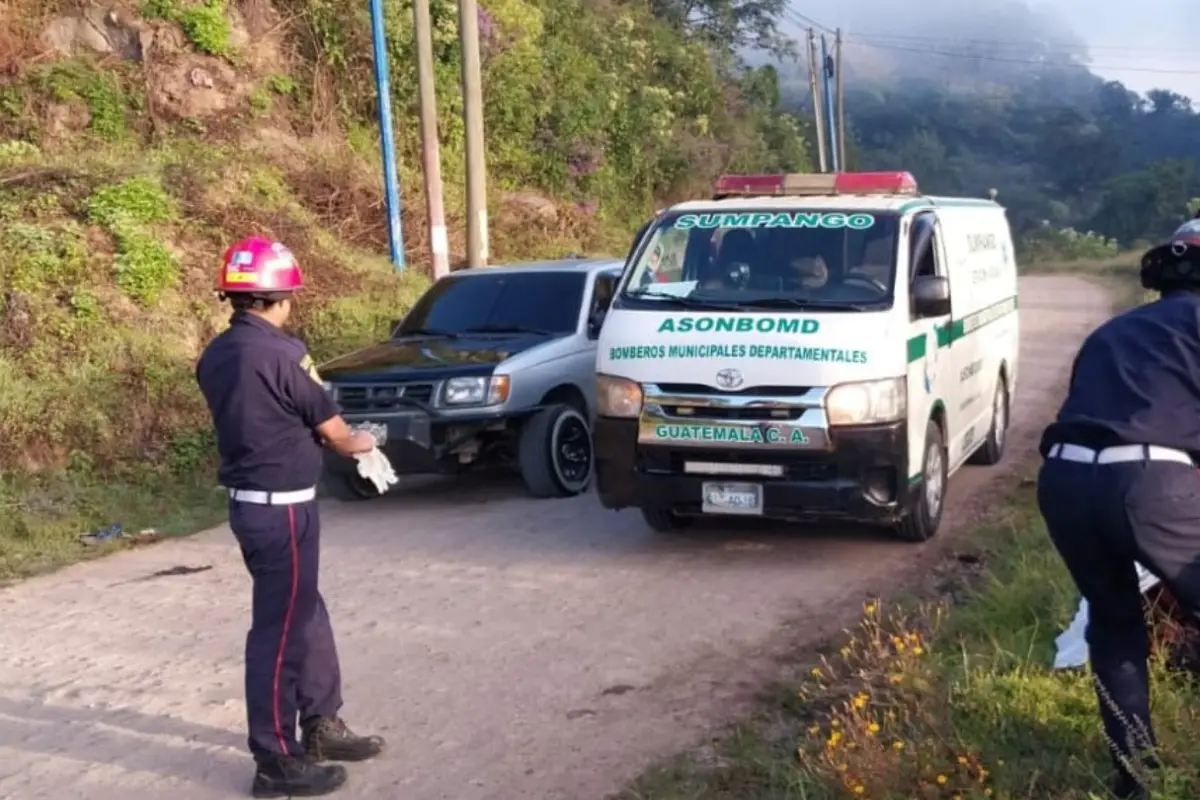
(472,81)
(818,113)
(825,76)
(387,142)
(431,163)
(841,100)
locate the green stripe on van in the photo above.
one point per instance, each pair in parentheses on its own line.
(956,329)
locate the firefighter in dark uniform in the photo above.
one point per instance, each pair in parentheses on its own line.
(271,415)
(1120,485)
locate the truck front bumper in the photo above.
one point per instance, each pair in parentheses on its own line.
(864,477)
(422,442)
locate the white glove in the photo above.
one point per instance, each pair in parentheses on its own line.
(375,467)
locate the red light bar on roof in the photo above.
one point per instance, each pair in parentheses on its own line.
(820,183)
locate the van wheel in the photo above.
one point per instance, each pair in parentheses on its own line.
(664,520)
(925,514)
(554,451)
(992,449)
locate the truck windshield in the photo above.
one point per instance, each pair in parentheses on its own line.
(768,258)
(500,303)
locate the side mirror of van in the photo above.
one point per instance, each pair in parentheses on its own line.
(931,296)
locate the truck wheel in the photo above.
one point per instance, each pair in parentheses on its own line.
(554,452)
(925,515)
(992,449)
(349,487)
(664,520)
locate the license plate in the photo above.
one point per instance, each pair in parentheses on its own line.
(375,429)
(732,498)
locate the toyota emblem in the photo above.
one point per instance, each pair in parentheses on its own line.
(729,379)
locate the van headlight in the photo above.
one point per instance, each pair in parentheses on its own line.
(476,391)
(867,402)
(618,397)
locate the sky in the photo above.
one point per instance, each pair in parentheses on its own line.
(1130,38)
(1145,44)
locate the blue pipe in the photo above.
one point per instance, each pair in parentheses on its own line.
(829,115)
(387,142)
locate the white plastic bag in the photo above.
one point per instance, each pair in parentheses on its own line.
(1072,646)
(375,467)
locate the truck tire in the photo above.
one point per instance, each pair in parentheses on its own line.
(555,453)
(923,518)
(664,520)
(992,449)
(349,487)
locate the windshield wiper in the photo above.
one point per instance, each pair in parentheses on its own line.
(507,329)
(798,302)
(686,302)
(427,332)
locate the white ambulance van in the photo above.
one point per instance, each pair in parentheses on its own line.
(805,347)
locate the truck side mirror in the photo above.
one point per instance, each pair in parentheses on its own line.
(931,296)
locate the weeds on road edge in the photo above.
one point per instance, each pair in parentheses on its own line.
(950,697)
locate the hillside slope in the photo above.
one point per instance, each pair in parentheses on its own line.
(137,142)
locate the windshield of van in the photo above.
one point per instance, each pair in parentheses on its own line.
(768,258)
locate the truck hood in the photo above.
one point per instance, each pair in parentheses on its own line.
(767,349)
(428,357)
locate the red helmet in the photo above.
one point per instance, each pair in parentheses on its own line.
(259,266)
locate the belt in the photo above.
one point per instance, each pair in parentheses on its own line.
(1118,455)
(260,498)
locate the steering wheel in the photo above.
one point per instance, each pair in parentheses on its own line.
(874,284)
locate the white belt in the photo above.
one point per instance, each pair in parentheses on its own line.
(259,498)
(1118,455)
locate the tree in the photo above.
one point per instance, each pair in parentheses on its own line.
(727,25)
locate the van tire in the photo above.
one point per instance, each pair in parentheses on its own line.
(544,468)
(664,520)
(925,514)
(992,449)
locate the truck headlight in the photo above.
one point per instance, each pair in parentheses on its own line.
(618,397)
(867,402)
(476,391)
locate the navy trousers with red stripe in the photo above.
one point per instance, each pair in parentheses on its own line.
(292,671)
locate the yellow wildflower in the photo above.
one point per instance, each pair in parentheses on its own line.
(859,789)
(873,728)
(897,746)
(941,779)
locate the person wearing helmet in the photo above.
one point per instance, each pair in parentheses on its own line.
(271,415)
(1120,485)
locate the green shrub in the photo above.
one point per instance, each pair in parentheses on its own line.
(207,27)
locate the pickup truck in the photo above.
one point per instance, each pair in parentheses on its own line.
(492,366)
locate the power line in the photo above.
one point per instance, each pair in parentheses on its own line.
(796,18)
(1026,61)
(1033,42)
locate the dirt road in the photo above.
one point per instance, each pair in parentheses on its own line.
(507,648)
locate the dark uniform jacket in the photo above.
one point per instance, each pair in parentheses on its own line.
(1136,380)
(266,399)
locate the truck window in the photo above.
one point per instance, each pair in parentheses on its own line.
(736,256)
(544,301)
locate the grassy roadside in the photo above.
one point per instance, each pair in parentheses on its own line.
(949,697)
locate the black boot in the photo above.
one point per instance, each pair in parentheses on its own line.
(328,739)
(295,776)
